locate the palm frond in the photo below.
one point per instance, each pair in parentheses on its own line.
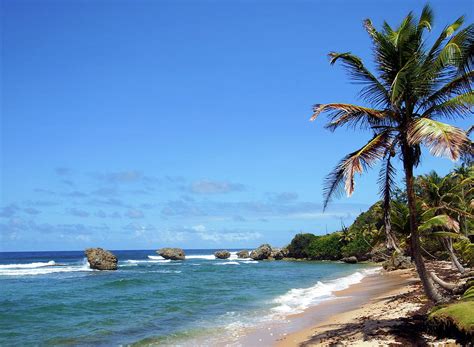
(440,221)
(387,178)
(458,106)
(448,234)
(457,86)
(374,91)
(348,114)
(442,139)
(426,18)
(356,162)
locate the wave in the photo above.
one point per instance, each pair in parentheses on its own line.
(299,299)
(28,266)
(44,270)
(228,263)
(156,257)
(205,257)
(133,261)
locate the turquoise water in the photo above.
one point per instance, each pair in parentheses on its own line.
(149,300)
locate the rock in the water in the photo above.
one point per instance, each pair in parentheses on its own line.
(277,253)
(222,254)
(172,253)
(262,252)
(350,260)
(100,259)
(397,261)
(243,254)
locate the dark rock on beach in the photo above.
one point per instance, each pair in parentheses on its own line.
(100,259)
(222,254)
(172,253)
(262,252)
(350,260)
(397,261)
(243,254)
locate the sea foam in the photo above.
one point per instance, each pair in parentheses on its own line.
(27,266)
(40,268)
(299,299)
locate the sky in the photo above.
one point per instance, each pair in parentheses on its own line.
(143,124)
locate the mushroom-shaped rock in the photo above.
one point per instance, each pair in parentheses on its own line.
(349,260)
(172,253)
(100,259)
(222,254)
(243,254)
(262,252)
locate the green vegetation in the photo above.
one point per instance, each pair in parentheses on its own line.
(457,317)
(440,227)
(325,247)
(465,248)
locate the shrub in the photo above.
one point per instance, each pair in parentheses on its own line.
(358,247)
(465,249)
(298,247)
(326,247)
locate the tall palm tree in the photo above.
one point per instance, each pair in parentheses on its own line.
(415,86)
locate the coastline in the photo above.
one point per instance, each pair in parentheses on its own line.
(339,320)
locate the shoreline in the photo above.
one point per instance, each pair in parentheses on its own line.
(368,298)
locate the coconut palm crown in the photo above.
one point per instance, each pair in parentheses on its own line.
(414,88)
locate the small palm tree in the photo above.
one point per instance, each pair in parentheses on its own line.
(415,87)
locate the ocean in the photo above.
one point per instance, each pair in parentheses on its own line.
(151,301)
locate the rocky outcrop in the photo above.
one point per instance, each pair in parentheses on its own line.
(349,260)
(278,253)
(397,261)
(101,259)
(172,253)
(222,254)
(243,254)
(262,252)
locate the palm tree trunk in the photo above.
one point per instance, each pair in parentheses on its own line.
(391,241)
(448,244)
(430,290)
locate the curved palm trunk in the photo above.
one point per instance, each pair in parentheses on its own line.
(448,244)
(430,290)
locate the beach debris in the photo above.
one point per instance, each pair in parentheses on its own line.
(243,254)
(349,260)
(223,254)
(262,252)
(172,253)
(101,259)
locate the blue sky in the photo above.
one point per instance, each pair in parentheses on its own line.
(143,124)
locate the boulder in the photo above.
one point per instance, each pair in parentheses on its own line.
(172,253)
(222,254)
(101,259)
(262,252)
(397,261)
(243,254)
(349,260)
(277,254)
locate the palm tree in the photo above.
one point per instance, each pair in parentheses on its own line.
(415,86)
(444,198)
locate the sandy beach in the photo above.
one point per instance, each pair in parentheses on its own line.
(373,312)
(336,320)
